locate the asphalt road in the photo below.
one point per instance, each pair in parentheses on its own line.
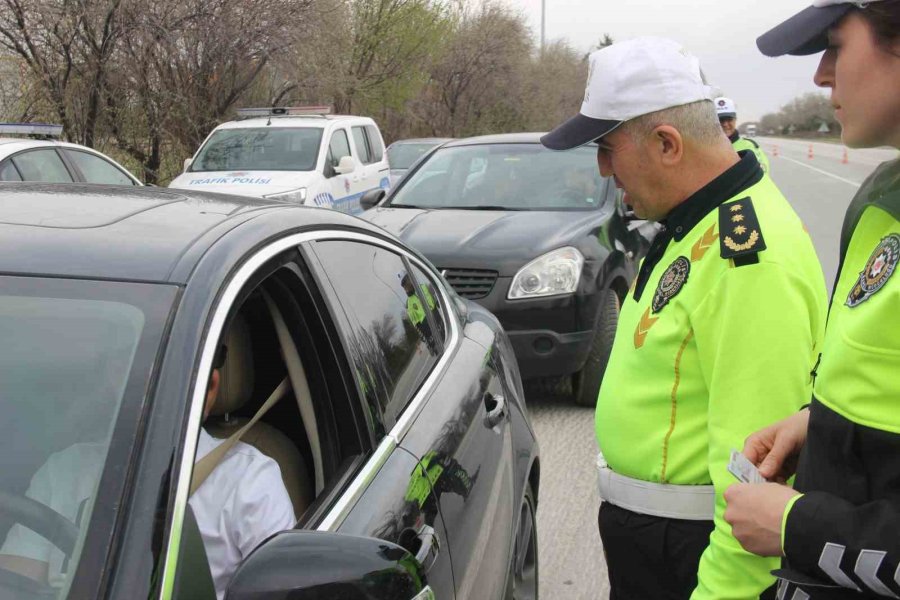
(570,557)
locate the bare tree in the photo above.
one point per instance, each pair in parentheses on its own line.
(185,66)
(67,45)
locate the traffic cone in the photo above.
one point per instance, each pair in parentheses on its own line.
(775,151)
(846,158)
(810,155)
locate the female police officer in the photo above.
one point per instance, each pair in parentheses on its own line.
(841,536)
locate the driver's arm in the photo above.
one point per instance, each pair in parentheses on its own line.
(24,551)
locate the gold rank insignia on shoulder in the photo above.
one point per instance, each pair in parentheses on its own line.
(739,230)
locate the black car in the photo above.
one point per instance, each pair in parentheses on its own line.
(393,407)
(537,237)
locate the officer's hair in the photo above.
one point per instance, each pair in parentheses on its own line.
(884,19)
(696,121)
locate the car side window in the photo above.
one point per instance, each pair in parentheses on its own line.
(434,305)
(8,171)
(42,165)
(339,147)
(98,170)
(275,362)
(397,347)
(362,145)
(375,144)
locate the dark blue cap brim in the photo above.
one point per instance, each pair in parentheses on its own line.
(578,131)
(803,34)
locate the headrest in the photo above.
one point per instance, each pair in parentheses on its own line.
(236,375)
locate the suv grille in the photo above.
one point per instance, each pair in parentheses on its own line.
(471,283)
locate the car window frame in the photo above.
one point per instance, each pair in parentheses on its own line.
(216,321)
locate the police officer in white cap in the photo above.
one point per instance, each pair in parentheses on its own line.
(718,334)
(728,120)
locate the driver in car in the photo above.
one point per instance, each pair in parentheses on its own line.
(240,504)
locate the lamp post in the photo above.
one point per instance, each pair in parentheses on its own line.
(543,22)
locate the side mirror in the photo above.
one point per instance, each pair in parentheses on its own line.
(187,164)
(371,198)
(310,565)
(345,165)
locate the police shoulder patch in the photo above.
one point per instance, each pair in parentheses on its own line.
(671,282)
(739,231)
(878,270)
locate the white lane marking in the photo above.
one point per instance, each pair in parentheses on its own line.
(839,178)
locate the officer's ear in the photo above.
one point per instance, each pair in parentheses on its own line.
(669,145)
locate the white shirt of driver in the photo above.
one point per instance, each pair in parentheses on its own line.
(241,503)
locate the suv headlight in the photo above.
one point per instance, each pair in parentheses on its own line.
(552,274)
(297,196)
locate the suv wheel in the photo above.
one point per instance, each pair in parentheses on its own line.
(587,381)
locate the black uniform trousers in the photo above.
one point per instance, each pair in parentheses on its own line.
(651,557)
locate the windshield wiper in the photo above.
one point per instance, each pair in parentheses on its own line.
(487,208)
(413,206)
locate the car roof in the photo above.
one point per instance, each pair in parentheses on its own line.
(431,140)
(502,138)
(293,121)
(129,233)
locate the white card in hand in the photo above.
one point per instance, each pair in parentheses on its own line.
(741,467)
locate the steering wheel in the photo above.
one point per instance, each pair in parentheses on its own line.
(48,523)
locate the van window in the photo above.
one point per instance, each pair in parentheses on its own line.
(375,144)
(338,148)
(362,145)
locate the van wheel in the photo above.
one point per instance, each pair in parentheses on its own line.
(587,381)
(522,581)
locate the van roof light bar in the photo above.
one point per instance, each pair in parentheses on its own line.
(36,129)
(285,111)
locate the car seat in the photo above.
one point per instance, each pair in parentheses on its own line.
(236,386)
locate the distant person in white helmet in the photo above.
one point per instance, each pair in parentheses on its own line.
(728,120)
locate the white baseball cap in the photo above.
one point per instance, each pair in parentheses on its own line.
(627,80)
(725,108)
(807,31)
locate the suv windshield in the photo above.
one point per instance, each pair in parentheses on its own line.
(260,149)
(74,367)
(506,177)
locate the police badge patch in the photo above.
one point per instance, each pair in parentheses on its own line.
(879,269)
(671,282)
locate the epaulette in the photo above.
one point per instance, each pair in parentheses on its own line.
(752,141)
(740,236)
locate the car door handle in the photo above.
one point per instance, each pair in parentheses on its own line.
(495,405)
(423,543)
(431,546)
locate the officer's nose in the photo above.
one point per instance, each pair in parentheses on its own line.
(824,76)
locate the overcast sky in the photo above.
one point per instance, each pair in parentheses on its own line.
(721,33)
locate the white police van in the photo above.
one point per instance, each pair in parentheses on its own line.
(303,155)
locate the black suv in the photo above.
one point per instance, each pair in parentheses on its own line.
(537,237)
